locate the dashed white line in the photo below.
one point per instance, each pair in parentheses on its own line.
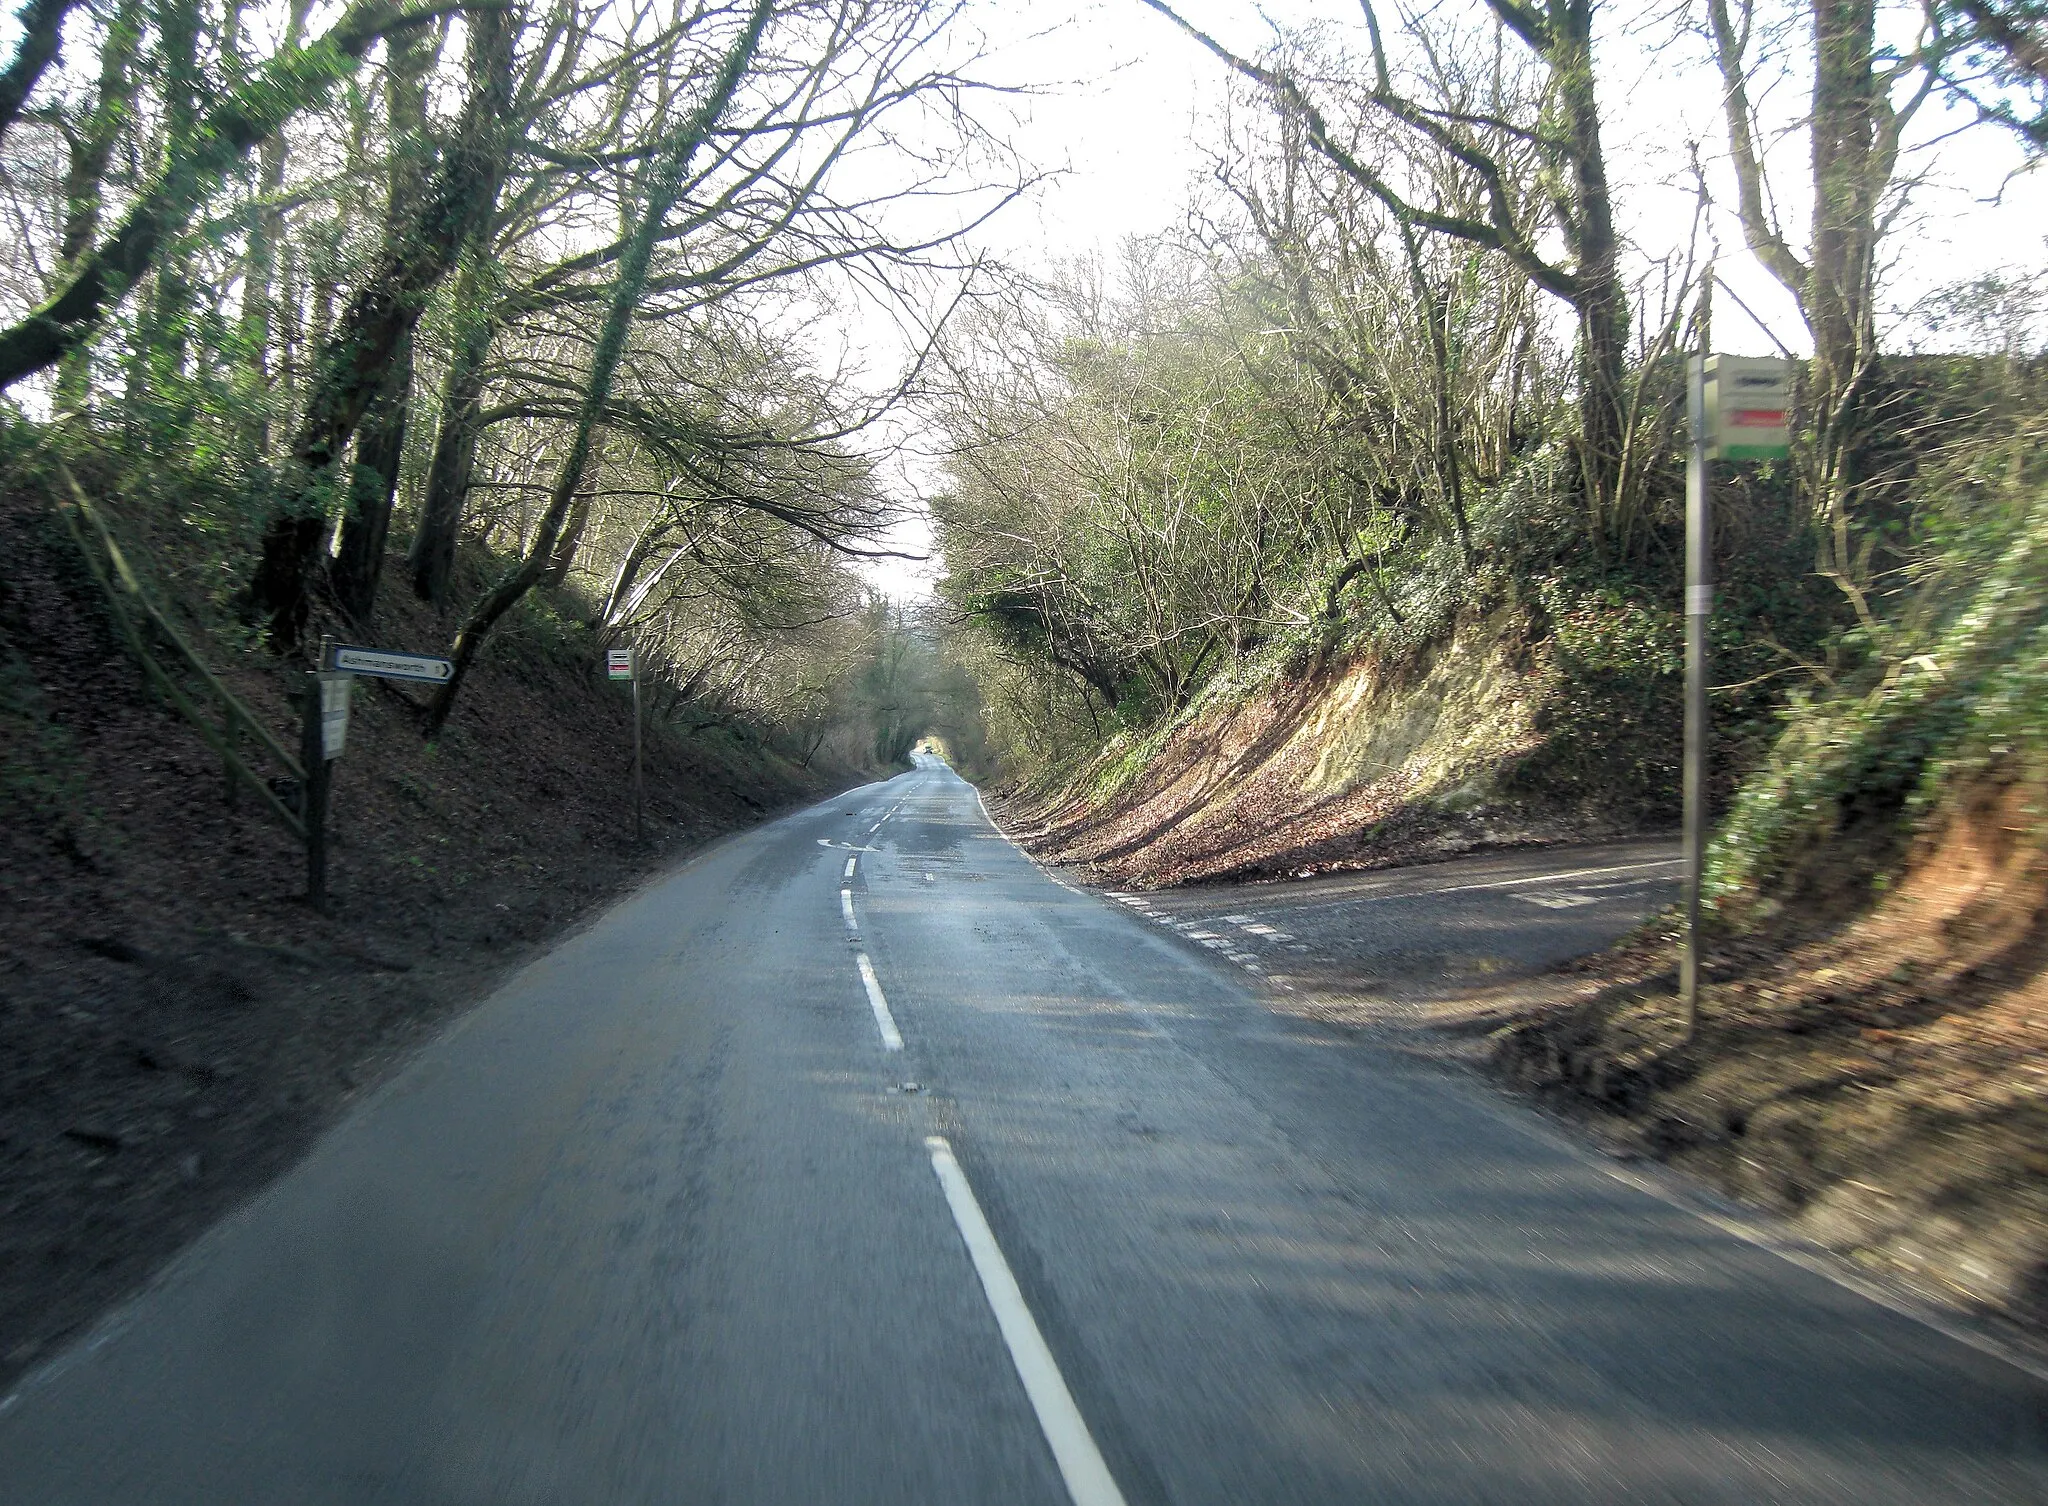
(1081,1466)
(846,909)
(849,866)
(884,1021)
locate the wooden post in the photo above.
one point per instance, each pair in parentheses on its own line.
(313,795)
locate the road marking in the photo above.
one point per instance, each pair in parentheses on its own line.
(849,866)
(1538,878)
(1087,1477)
(884,1021)
(846,909)
(1240,920)
(1557,901)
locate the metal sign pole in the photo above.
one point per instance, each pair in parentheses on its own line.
(1699,604)
(639,785)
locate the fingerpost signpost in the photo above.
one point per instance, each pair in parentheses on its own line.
(1740,408)
(324,733)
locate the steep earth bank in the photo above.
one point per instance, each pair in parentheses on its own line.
(176,1025)
(1357,765)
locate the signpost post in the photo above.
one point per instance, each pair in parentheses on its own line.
(324,733)
(623,664)
(1739,409)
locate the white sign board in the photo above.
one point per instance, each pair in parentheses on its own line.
(334,713)
(1749,407)
(618,663)
(384,664)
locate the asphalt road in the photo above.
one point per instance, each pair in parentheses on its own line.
(1427,931)
(667,1221)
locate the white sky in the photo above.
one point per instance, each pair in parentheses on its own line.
(1125,99)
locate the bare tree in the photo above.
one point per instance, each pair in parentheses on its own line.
(1578,205)
(1855,131)
(663,182)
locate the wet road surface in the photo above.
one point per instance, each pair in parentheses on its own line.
(858,1161)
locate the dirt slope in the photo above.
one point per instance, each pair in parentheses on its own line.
(175,1024)
(1360,765)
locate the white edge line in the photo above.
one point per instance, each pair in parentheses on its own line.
(846,909)
(1087,1477)
(884,1021)
(1819,1260)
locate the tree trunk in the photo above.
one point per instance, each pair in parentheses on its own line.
(380,452)
(1600,301)
(1840,275)
(380,447)
(564,555)
(356,361)
(164,336)
(259,268)
(432,556)
(85,178)
(1854,142)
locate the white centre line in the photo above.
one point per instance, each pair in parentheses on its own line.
(849,866)
(884,1021)
(846,909)
(1088,1480)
